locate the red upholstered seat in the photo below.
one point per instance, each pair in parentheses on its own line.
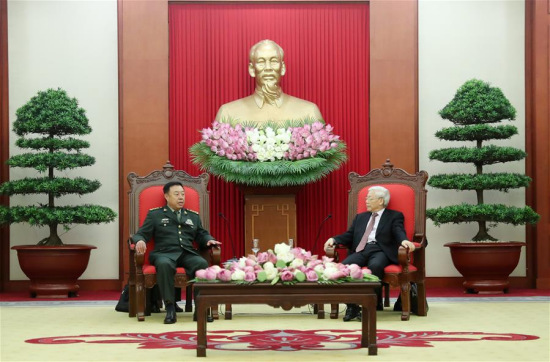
(408,195)
(146,193)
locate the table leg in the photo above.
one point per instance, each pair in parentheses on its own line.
(368,324)
(201,326)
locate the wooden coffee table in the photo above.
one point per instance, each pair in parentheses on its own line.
(286,297)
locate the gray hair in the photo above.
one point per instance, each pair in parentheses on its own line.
(265,42)
(381,192)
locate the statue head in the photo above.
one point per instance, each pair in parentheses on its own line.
(267,66)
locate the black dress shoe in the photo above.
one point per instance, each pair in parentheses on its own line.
(353,312)
(171,317)
(379,306)
(178,308)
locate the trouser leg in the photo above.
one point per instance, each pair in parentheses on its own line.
(166,269)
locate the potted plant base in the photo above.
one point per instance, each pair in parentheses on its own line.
(485,266)
(53,270)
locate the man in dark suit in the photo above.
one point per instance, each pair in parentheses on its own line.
(174,229)
(373,239)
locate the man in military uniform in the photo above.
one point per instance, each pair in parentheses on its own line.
(174,229)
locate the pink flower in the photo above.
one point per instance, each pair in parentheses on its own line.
(262,257)
(200,274)
(287,275)
(224,275)
(337,275)
(272,258)
(249,276)
(311,275)
(355,272)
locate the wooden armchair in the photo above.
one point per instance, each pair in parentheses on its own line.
(146,193)
(408,195)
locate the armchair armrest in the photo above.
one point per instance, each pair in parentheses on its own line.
(216,255)
(332,252)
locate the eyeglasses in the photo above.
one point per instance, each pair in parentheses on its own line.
(373,198)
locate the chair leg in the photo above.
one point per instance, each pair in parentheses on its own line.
(228,312)
(132,301)
(215,314)
(140,302)
(422,303)
(405,301)
(148,302)
(320,311)
(386,288)
(189,298)
(334,311)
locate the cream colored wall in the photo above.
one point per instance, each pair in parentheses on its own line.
(72,45)
(458,41)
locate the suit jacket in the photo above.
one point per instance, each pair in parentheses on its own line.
(171,237)
(389,234)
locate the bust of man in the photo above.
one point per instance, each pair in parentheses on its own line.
(268,103)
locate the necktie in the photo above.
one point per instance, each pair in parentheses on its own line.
(178,215)
(365,237)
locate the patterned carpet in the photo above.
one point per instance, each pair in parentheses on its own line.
(456,329)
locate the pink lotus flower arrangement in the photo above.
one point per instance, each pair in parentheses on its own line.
(268,144)
(296,153)
(287,265)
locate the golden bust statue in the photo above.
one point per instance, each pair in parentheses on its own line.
(268,103)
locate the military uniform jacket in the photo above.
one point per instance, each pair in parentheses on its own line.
(171,237)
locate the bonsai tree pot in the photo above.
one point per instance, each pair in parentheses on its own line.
(485,266)
(53,270)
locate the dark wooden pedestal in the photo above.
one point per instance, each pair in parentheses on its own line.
(270,216)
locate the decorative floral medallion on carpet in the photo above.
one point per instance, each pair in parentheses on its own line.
(283,340)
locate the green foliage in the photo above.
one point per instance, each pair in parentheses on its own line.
(55,116)
(487,155)
(44,161)
(273,173)
(477,102)
(43,215)
(53,144)
(494,213)
(477,132)
(56,187)
(474,106)
(488,181)
(51,112)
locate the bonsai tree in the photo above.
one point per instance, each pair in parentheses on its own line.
(45,125)
(475,106)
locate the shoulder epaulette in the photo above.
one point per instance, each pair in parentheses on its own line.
(155,208)
(193,211)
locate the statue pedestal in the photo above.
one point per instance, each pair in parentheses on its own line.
(270,216)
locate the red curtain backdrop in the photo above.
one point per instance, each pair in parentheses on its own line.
(327,58)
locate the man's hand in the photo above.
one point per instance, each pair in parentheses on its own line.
(213,242)
(328,244)
(409,245)
(141,247)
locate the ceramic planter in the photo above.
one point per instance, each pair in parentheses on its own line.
(53,270)
(485,266)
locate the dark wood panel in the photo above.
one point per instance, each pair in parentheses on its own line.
(143,97)
(537,135)
(269,218)
(4,140)
(394,83)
